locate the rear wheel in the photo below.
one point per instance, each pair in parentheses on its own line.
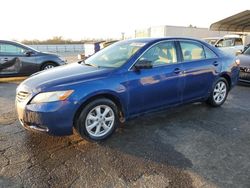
(48,65)
(98,120)
(219,93)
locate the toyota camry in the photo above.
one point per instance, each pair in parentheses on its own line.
(123,81)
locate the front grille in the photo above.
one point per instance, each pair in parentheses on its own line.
(244,76)
(21,96)
(245,69)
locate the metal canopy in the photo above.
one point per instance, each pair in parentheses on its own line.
(237,23)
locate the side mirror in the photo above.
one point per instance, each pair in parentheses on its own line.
(28,52)
(143,64)
(238,52)
(216,45)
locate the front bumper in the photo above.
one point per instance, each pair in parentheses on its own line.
(55,118)
(244,75)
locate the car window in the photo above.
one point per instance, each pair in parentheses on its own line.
(9,49)
(209,53)
(161,54)
(191,51)
(225,43)
(247,51)
(238,42)
(211,41)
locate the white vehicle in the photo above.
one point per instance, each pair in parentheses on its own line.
(229,43)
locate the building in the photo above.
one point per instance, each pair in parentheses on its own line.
(238,24)
(161,31)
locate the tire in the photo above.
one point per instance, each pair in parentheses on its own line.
(219,93)
(94,124)
(48,65)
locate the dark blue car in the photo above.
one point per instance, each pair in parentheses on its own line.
(17,59)
(122,81)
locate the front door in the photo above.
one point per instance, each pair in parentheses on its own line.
(10,62)
(159,86)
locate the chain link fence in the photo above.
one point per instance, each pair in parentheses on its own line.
(68,51)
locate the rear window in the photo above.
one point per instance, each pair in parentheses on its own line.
(238,42)
(209,53)
(192,51)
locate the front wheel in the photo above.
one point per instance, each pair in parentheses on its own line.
(48,65)
(98,120)
(219,93)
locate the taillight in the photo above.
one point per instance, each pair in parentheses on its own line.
(237,61)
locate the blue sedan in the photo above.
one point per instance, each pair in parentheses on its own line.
(122,81)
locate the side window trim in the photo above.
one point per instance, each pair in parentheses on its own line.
(14,45)
(195,42)
(205,52)
(192,42)
(169,40)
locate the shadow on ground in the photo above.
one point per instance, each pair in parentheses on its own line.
(189,146)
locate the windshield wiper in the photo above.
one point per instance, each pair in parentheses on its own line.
(87,64)
(84,63)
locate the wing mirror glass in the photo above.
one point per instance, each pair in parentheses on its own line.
(28,52)
(143,64)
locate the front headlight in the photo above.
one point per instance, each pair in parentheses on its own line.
(62,59)
(51,96)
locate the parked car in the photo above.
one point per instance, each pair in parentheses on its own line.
(247,46)
(230,44)
(124,80)
(245,65)
(17,59)
(93,47)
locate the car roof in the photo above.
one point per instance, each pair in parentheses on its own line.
(155,40)
(1,40)
(211,38)
(149,39)
(18,43)
(11,41)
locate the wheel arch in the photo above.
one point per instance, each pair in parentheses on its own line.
(109,96)
(228,79)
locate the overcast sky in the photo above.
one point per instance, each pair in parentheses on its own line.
(78,19)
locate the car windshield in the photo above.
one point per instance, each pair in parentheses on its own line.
(26,46)
(211,41)
(247,51)
(115,55)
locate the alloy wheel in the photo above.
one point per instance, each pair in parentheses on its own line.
(220,92)
(48,67)
(100,121)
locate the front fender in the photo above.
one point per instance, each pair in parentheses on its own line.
(114,91)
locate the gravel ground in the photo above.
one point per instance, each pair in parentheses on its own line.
(189,146)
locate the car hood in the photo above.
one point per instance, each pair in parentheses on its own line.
(62,76)
(47,53)
(244,60)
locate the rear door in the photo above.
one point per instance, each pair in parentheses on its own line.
(200,66)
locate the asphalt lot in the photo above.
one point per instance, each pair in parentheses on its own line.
(189,146)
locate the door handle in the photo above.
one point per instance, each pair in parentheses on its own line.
(215,63)
(177,71)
